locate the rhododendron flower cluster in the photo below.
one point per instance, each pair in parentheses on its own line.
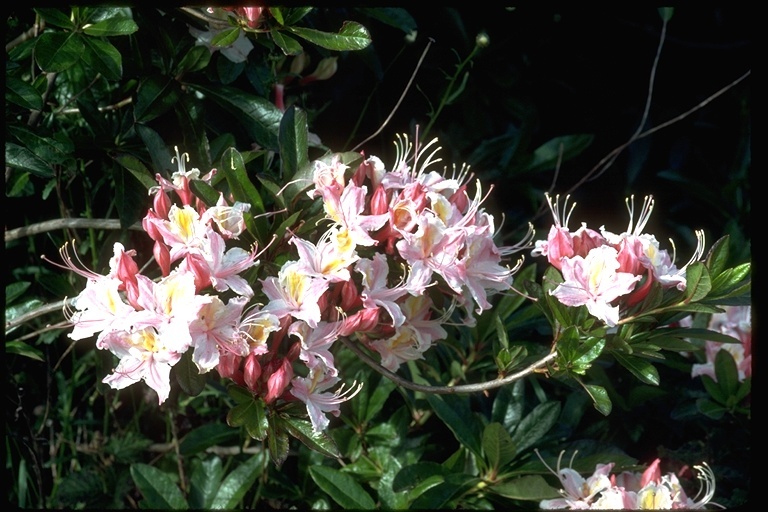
(735,321)
(609,272)
(389,237)
(628,490)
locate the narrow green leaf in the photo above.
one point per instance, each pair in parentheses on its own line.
(454,411)
(396,17)
(15,290)
(528,488)
(710,408)
(378,398)
(548,155)
(600,398)
(103,57)
(191,121)
(204,482)
(498,446)
(639,367)
(293,15)
(157,149)
(320,442)
(233,167)
(204,191)
(226,37)
(205,436)
(155,96)
(22,349)
(666,13)
(508,405)
(188,375)
(116,26)
(137,168)
(342,488)
(51,150)
(726,372)
(277,441)
(717,257)
(22,94)
(157,488)
(131,197)
(58,51)
(55,17)
(715,391)
(250,414)
(289,45)
(237,483)
(258,116)
(419,477)
(535,425)
(698,283)
(351,36)
(195,59)
(293,141)
(20,157)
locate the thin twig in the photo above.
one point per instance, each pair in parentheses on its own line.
(448,390)
(605,160)
(399,101)
(42,310)
(67,223)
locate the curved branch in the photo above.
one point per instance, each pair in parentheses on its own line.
(42,310)
(448,390)
(52,225)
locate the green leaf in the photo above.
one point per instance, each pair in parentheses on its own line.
(717,257)
(419,477)
(238,483)
(528,488)
(600,398)
(397,17)
(726,372)
(204,191)
(130,197)
(251,414)
(639,367)
(158,150)
(259,116)
(191,381)
(292,15)
(289,45)
(53,151)
(226,37)
(191,121)
(233,167)
(535,425)
(454,411)
(378,398)
(22,94)
(137,168)
(277,440)
(710,408)
(57,51)
(293,141)
(55,17)
(559,149)
(342,488)
(508,405)
(117,26)
(320,442)
(20,157)
(103,57)
(195,59)
(698,283)
(15,290)
(498,446)
(205,436)
(351,36)
(155,96)
(22,349)
(157,488)
(204,482)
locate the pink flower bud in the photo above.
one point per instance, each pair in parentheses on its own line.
(278,381)
(229,367)
(251,372)
(379,203)
(162,257)
(161,203)
(350,296)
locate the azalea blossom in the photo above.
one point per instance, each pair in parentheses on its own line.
(736,321)
(595,282)
(313,391)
